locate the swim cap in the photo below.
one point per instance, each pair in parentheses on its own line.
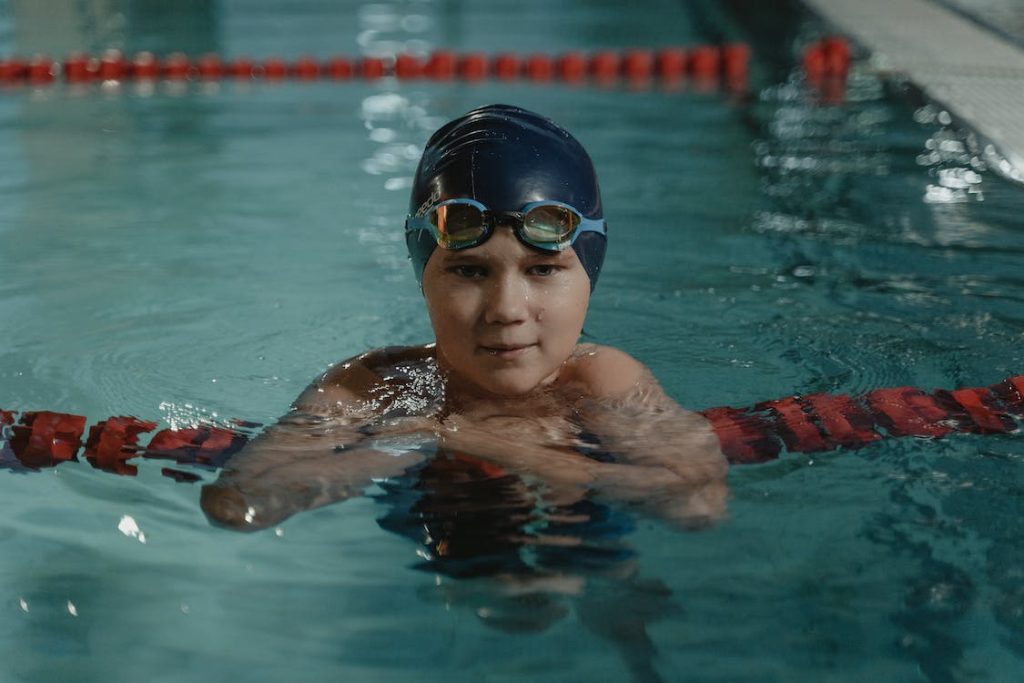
(505,157)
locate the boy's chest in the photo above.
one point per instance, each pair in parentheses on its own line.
(416,390)
(546,426)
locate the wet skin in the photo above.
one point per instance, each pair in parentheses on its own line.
(505,316)
(507,384)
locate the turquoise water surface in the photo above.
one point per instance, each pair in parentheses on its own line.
(199,254)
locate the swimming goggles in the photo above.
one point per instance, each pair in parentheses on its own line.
(465,223)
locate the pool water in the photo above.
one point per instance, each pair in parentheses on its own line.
(200,254)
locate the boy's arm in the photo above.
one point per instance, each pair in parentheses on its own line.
(315,455)
(635,420)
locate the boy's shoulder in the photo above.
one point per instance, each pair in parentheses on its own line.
(382,359)
(357,378)
(604,371)
(376,364)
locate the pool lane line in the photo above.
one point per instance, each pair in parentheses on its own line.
(36,440)
(818,422)
(824,422)
(728,63)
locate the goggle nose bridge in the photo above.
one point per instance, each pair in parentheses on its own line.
(509,219)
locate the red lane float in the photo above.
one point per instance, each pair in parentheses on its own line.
(826,63)
(43,439)
(703,63)
(735,60)
(605,66)
(804,424)
(506,66)
(176,67)
(472,67)
(670,63)
(571,67)
(408,66)
(371,68)
(112,66)
(40,71)
(275,69)
(441,65)
(638,65)
(113,441)
(340,69)
(12,70)
(145,67)
(77,68)
(39,439)
(210,67)
(798,424)
(539,67)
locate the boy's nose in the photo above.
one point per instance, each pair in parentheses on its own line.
(507,301)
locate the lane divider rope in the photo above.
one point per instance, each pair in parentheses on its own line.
(32,440)
(704,62)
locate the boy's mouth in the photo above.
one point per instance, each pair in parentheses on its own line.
(506,351)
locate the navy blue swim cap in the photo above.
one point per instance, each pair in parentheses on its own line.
(505,157)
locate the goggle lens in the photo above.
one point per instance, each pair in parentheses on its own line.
(550,224)
(458,225)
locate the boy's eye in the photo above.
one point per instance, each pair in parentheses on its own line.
(470,272)
(544,269)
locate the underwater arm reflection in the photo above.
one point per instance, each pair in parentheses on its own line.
(686,496)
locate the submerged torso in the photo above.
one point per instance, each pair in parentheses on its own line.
(473,517)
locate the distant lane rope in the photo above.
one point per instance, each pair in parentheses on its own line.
(704,62)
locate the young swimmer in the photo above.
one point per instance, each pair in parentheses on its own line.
(507,239)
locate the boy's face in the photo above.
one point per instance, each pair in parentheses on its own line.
(505,316)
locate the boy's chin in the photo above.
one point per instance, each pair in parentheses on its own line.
(510,386)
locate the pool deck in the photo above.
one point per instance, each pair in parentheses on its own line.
(975,74)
